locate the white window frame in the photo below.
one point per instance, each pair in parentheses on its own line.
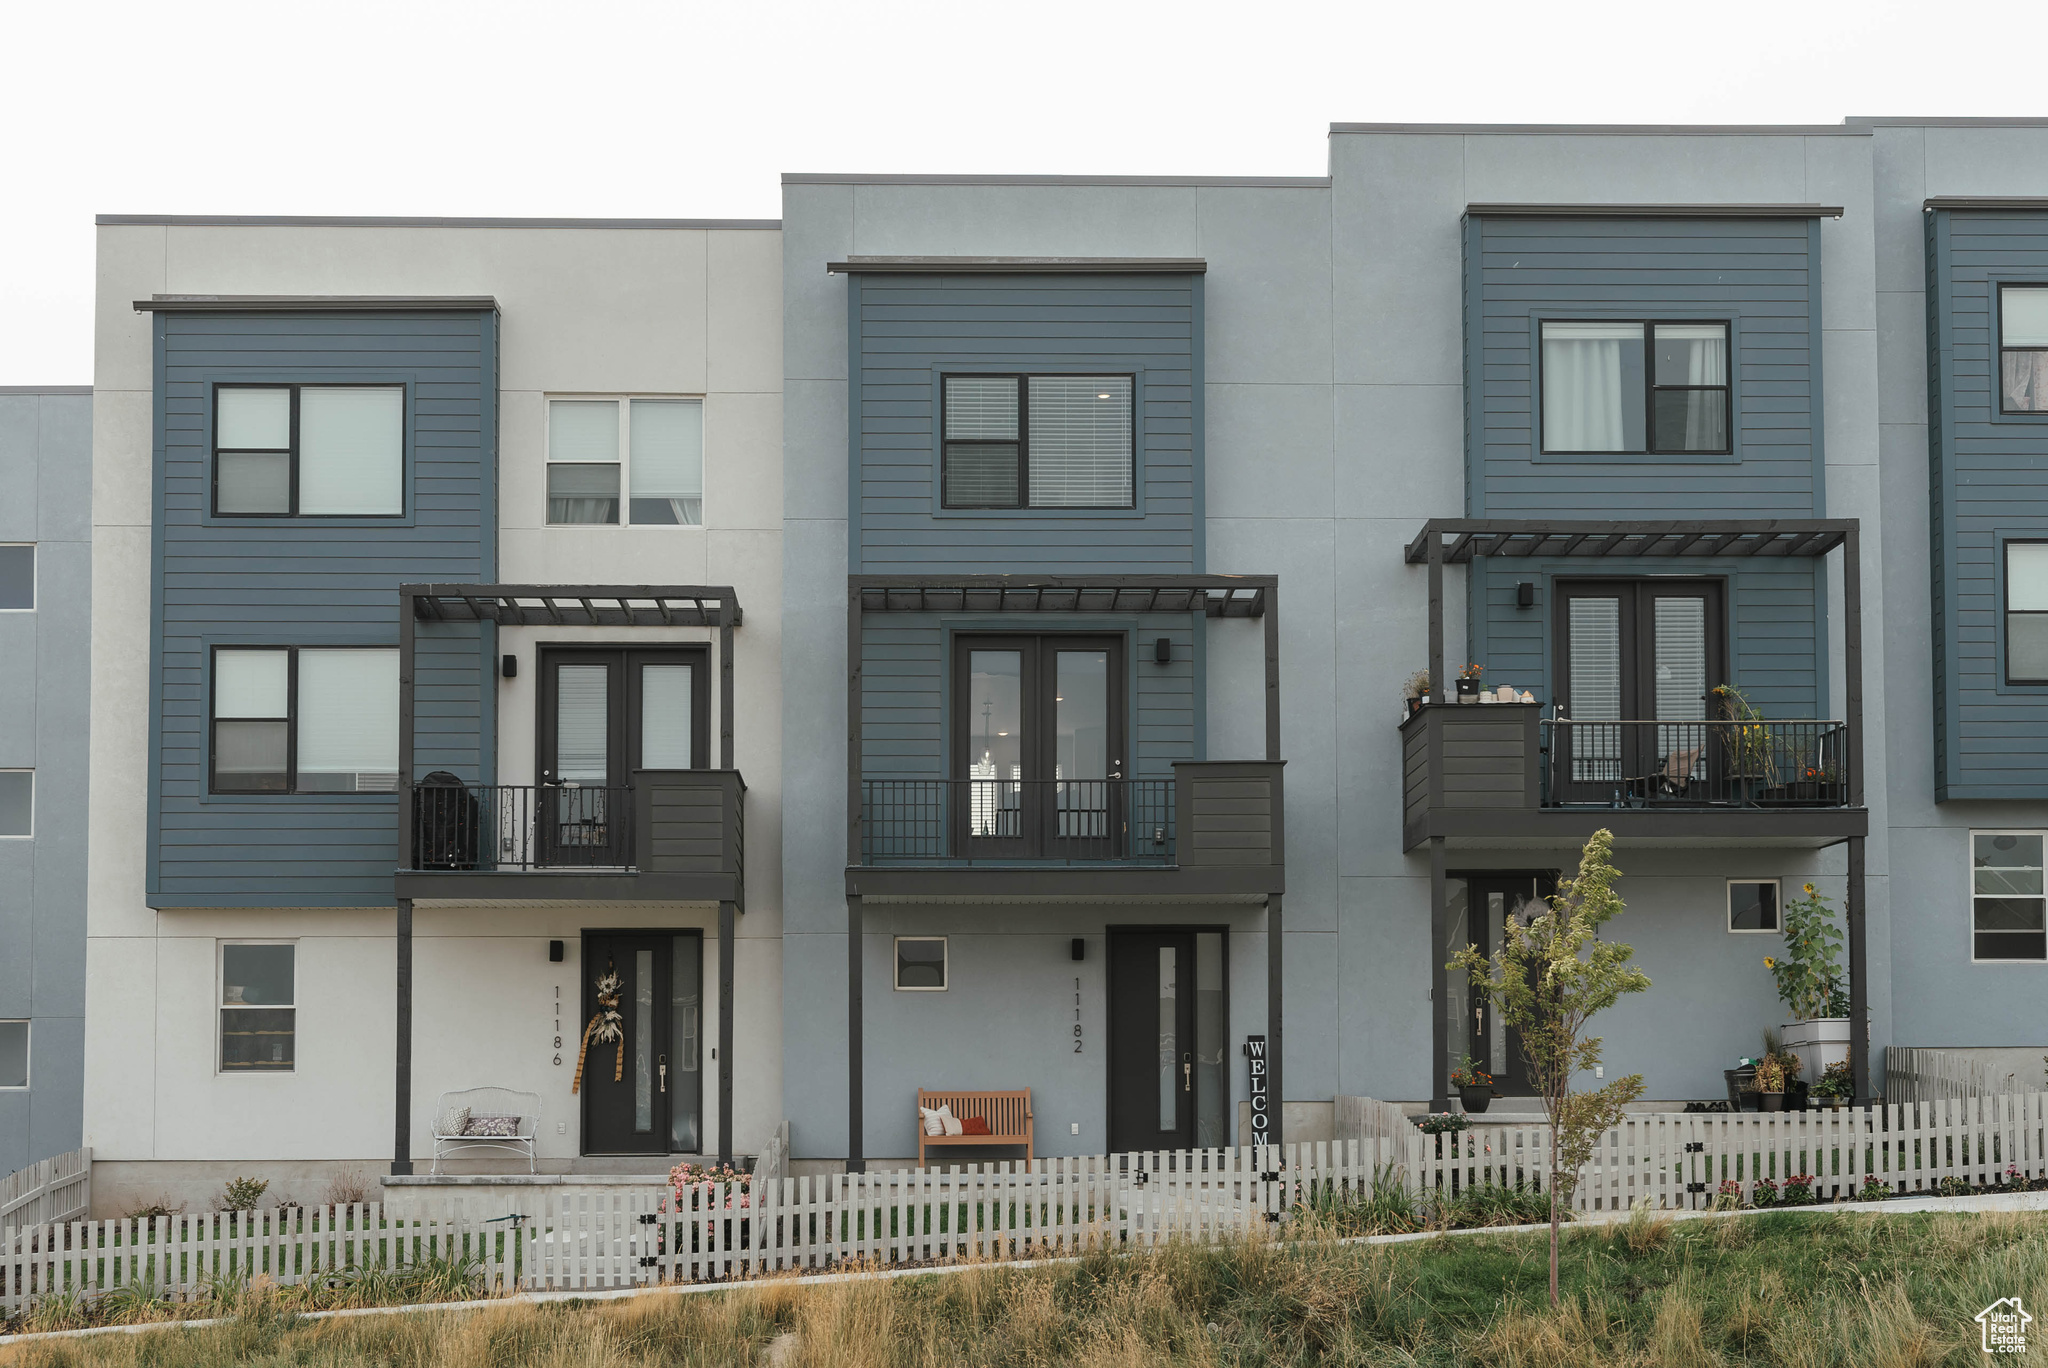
(221,1005)
(30,834)
(35,576)
(1970,885)
(945,964)
(1735,930)
(28,1067)
(625,403)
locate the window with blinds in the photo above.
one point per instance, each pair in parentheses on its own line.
(1038,441)
(292,719)
(314,451)
(634,461)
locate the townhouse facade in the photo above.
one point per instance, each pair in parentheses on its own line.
(45,608)
(1107,521)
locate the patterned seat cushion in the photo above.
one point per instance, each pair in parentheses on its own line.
(498,1127)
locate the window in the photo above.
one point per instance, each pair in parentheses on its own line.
(2023,348)
(17,802)
(1037,441)
(258,991)
(921,964)
(1752,904)
(2026,612)
(653,449)
(17,578)
(305,720)
(326,451)
(13,1054)
(1647,650)
(2006,899)
(1658,388)
(1038,745)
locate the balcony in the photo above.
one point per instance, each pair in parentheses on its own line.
(1214,831)
(1499,774)
(669,836)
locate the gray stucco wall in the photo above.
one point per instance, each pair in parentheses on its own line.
(313,582)
(45,662)
(1940,998)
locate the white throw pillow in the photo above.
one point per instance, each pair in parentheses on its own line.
(953,1125)
(933,1124)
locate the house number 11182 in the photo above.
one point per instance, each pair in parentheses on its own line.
(1077,1016)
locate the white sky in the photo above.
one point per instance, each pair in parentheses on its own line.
(694,110)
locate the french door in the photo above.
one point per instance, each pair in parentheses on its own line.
(1038,745)
(604,714)
(1631,654)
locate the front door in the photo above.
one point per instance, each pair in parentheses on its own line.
(1152,1044)
(1493,1044)
(626,1083)
(1039,747)
(1634,652)
(604,714)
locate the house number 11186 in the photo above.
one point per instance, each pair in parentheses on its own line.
(1077,1016)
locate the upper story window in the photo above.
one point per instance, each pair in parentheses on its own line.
(305,720)
(649,450)
(18,577)
(1654,388)
(327,451)
(2023,348)
(2026,612)
(1038,441)
(2007,899)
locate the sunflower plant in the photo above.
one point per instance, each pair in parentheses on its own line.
(1809,972)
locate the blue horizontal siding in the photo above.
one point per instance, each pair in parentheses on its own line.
(313,583)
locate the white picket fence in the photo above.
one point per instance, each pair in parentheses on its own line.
(57,1189)
(619,1237)
(1917,1075)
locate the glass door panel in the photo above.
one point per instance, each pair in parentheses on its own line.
(667,717)
(1152,1035)
(1679,689)
(686,1054)
(1592,691)
(577,767)
(995,762)
(1085,816)
(1637,662)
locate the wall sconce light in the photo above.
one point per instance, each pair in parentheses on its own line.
(554,946)
(1162,651)
(509,667)
(1525,594)
(1080,949)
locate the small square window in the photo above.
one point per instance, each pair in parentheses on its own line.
(17,802)
(2007,897)
(1752,904)
(921,964)
(17,578)
(13,1054)
(258,1007)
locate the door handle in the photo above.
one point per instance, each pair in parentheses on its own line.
(664,1073)
(1187,1074)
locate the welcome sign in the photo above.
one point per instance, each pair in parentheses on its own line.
(1255,1053)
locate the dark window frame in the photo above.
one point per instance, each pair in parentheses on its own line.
(1970,874)
(1999,289)
(1023,381)
(622,692)
(291,787)
(1651,388)
(34,571)
(2007,612)
(291,453)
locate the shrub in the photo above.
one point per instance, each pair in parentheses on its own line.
(1763,1193)
(1874,1189)
(1729,1196)
(1952,1186)
(158,1209)
(242,1194)
(1444,1123)
(1798,1190)
(347,1188)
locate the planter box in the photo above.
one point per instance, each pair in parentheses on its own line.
(1818,1043)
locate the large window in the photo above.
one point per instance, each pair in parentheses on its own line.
(2023,348)
(330,451)
(18,577)
(1037,441)
(1659,388)
(2026,612)
(2006,897)
(258,1007)
(305,720)
(642,457)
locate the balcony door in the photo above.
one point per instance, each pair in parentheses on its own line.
(1642,652)
(1038,746)
(604,714)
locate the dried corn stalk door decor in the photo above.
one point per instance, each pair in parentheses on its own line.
(606,1027)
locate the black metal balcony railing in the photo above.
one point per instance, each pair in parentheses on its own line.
(1801,763)
(1004,821)
(521,826)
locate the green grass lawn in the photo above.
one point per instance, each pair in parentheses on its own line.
(1872,1291)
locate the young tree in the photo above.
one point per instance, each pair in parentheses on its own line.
(1552,976)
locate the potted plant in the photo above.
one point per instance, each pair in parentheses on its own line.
(1468,682)
(1809,979)
(1747,739)
(1416,690)
(1835,1088)
(1770,1083)
(1474,1085)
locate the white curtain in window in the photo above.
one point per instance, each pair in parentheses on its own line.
(1080,441)
(666,716)
(348,716)
(1584,401)
(250,683)
(668,461)
(352,450)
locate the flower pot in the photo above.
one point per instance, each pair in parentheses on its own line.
(1818,1043)
(1468,691)
(1770,1101)
(1475,1100)
(1739,1096)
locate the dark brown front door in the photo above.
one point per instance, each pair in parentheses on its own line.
(627,1083)
(1152,1045)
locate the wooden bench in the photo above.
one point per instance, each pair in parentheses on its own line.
(1008,1115)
